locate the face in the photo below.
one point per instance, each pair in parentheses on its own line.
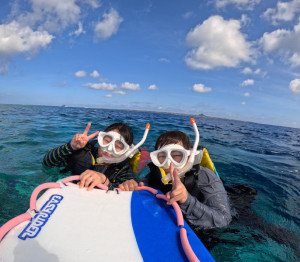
(176,155)
(106,140)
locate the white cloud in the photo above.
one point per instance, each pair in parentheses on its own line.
(120,92)
(285,11)
(152,87)
(108,95)
(16,39)
(101,86)
(295,86)
(285,43)
(93,3)
(248,82)
(246,94)
(95,74)
(26,32)
(200,88)
(80,73)
(217,43)
(249,71)
(243,103)
(130,86)
(53,16)
(245,4)
(109,25)
(80,30)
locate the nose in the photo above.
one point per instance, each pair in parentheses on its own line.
(169,162)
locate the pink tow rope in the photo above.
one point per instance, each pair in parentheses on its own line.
(32,211)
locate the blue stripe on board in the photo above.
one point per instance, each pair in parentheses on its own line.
(156,231)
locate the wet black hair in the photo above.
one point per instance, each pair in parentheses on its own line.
(173,137)
(124,129)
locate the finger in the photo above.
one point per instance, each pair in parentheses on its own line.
(168,195)
(87,129)
(176,177)
(92,185)
(82,178)
(121,186)
(126,187)
(88,181)
(132,186)
(172,174)
(93,135)
(141,184)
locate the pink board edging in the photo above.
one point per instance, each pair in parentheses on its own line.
(13,222)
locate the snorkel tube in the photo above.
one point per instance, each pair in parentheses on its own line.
(130,153)
(167,178)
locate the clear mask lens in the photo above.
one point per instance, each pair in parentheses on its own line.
(170,153)
(112,143)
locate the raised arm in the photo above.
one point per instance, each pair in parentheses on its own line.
(58,156)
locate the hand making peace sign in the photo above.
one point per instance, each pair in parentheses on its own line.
(178,192)
(80,140)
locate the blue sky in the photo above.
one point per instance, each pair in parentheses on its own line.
(237,59)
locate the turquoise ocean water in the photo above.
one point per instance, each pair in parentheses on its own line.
(264,157)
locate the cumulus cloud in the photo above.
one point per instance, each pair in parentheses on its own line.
(243,103)
(249,71)
(120,92)
(248,82)
(217,43)
(285,43)
(284,11)
(101,86)
(16,39)
(246,94)
(27,32)
(200,88)
(80,73)
(55,15)
(245,4)
(152,87)
(130,86)
(109,25)
(95,74)
(295,86)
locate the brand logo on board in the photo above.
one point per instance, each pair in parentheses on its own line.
(41,218)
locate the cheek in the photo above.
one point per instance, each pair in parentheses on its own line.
(99,152)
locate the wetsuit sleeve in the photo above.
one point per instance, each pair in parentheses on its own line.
(213,210)
(125,173)
(57,157)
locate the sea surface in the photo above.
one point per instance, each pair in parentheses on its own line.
(262,158)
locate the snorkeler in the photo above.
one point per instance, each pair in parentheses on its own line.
(107,164)
(176,171)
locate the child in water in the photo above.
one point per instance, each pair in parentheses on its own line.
(107,164)
(175,170)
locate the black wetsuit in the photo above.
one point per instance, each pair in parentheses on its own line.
(78,161)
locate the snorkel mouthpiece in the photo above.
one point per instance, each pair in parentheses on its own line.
(130,153)
(167,178)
